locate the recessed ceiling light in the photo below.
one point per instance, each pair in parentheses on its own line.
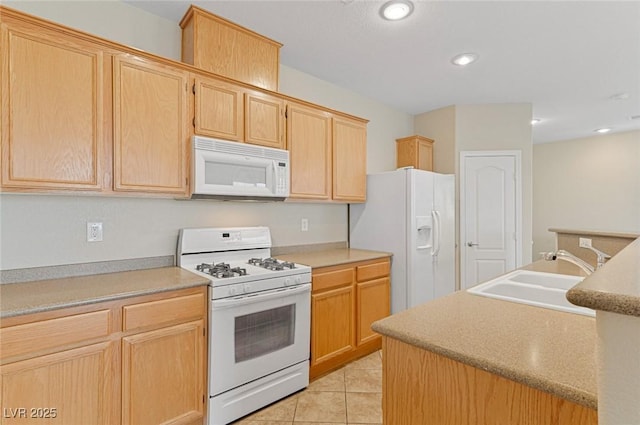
(603,130)
(396,9)
(535,121)
(620,96)
(464,59)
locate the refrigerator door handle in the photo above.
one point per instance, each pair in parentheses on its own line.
(436,233)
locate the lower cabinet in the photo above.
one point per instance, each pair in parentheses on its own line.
(345,301)
(155,361)
(335,307)
(73,386)
(138,361)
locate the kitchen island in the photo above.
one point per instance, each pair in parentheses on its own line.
(466,359)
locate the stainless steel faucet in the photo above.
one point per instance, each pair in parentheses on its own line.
(602,256)
(561,254)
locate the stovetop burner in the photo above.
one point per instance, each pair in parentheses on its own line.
(221,270)
(271,264)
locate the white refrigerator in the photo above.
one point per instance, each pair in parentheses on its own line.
(410,213)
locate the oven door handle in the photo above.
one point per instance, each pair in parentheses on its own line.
(261,296)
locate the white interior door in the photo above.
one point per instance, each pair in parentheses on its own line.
(489,208)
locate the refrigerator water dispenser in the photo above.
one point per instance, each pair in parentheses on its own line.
(424,223)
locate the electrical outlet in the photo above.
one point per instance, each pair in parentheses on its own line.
(94,232)
(304,224)
(585,243)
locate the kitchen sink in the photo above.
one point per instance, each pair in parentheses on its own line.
(547,290)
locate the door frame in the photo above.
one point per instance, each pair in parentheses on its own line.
(517,155)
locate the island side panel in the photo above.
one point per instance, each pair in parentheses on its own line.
(421,387)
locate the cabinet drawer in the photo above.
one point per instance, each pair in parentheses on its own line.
(163,311)
(372,271)
(52,333)
(332,279)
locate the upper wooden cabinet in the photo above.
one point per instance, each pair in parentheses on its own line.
(53,124)
(415,151)
(349,160)
(328,155)
(219,109)
(309,144)
(151,133)
(217,45)
(264,120)
(84,114)
(232,112)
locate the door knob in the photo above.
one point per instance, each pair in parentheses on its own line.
(472,244)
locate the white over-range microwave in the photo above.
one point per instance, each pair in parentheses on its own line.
(232,170)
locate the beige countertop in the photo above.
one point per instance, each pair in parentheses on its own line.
(615,287)
(596,233)
(43,295)
(332,257)
(549,350)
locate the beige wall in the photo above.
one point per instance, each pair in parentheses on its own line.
(110,19)
(440,126)
(461,128)
(39,230)
(502,127)
(586,184)
(385,124)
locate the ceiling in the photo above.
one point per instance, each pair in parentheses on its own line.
(568,58)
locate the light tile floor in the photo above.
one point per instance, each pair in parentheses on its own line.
(350,395)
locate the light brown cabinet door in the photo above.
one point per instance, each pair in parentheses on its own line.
(309,146)
(349,160)
(163,375)
(373,304)
(264,120)
(52,111)
(425,156)
(71,387)
(415,151)
(219,109)
(151,136)
(332,324)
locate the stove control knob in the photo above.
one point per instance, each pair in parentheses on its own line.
(287,282)
(233,290)
(247,287)
(298,280)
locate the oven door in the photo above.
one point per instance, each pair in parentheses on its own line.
(257,334)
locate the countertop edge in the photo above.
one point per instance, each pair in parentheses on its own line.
(334,257)
(615,287)
(24,298)
(626,235)
(597,300)
(97,300)
(559,390)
